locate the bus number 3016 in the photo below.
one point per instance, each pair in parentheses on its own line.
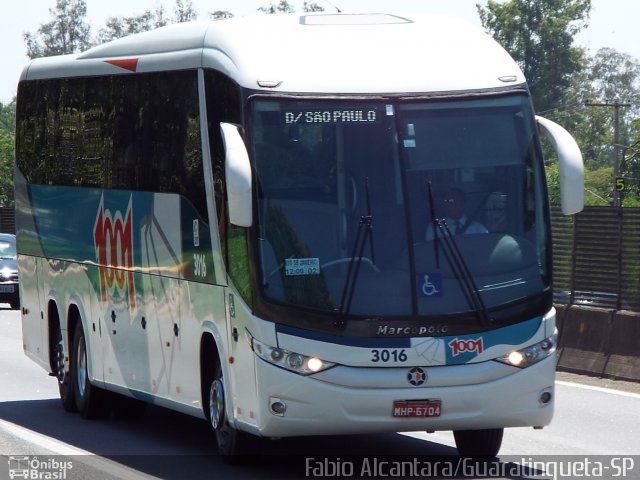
(388,355)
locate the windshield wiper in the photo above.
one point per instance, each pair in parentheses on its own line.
(365,232)
(457,262)
(434,226)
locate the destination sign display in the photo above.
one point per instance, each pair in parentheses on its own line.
(333,116)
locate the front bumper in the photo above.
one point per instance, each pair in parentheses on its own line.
(473,396)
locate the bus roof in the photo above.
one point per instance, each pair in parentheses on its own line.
(314,53)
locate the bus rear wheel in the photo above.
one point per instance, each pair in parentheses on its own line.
(233,445)
(91,401)
(479,443)
(65,382)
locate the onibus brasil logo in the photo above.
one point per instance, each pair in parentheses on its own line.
(113,241)
(24,466)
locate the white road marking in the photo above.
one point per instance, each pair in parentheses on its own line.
(599,389)
(57,447)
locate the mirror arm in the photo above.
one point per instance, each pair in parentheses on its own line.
(571,166)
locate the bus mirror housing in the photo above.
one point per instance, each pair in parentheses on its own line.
(238,176)
(571,168)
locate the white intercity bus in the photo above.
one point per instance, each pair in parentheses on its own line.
(248,221)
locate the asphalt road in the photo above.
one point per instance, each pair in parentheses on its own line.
(595,419)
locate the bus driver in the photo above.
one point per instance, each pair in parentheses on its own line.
(453,205)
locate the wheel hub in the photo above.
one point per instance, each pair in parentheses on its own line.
(60,362)
(81,373)
(216,403)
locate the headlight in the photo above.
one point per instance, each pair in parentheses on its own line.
(5,273)
(525,357)
(292,361)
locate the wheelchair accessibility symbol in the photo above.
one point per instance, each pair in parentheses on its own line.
(430,285)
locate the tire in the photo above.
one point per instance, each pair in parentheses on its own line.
(234,446)
(91,401)
(65,384)
(479,443)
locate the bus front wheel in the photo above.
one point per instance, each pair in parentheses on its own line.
(233,444)
(479,443)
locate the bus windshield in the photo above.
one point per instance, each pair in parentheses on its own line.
(400,209)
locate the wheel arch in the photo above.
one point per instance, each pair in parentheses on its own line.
(209,360)
(55,321)
(53,325)
(73,317)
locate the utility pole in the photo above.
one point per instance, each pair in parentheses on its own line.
(616,143)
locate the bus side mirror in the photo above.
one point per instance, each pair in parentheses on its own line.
(571,168)
(238,176)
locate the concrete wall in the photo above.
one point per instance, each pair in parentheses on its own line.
(599,342)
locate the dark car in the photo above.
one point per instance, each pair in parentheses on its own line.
(9,271)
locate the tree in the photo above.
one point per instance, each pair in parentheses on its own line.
(184,12)
(8,118)
(609,77)
(539,35)
(615,76)
(67,32)
(283,6)
(220,15)
(7,131)
(597,186)
(117,27)
(630,166)
(312,7)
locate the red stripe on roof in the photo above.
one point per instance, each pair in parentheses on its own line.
(126,63)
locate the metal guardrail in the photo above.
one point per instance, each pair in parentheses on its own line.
(596,258)
(7,220)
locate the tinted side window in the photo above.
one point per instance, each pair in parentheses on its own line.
(130,132)
(223,105)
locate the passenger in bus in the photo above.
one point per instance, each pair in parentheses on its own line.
(453,207)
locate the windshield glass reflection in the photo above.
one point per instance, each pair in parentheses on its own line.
(425,208)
